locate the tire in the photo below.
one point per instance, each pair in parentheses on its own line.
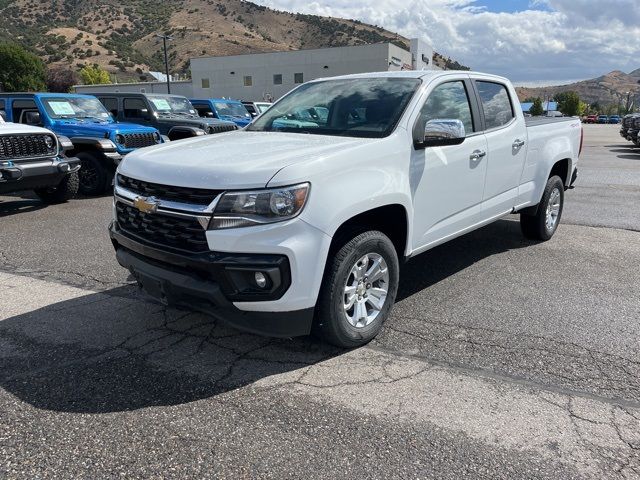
(66,190)
(535,227)
(93,175)
(348,328)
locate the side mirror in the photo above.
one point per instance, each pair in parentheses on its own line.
(442,132)
(32,118)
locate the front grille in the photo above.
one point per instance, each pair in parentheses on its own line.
(139,140)
(181,233)
(221,128)
(26,146)
(196,196)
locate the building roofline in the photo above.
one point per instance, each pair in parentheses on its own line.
(295,50)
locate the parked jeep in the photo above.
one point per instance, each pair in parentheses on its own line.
(172,115)
(32,158)
(224,109)
(98,141)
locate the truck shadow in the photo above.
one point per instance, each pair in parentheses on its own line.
(116,351)
(456,255)
(14,205)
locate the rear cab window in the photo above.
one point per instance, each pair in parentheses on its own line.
(496,104)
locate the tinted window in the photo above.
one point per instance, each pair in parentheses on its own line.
(135,108)
(495,103)
(364,107)
(277,79)
(447,101)
(298,78)
(110,104)
(248,81)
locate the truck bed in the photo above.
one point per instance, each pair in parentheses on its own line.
(536,121)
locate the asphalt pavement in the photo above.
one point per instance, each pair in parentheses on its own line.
(503,358)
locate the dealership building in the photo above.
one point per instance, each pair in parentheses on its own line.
(268,76)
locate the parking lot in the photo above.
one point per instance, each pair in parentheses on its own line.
(503,358)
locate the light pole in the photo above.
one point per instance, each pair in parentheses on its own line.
(166,58)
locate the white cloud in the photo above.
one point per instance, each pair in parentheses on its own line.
(566,39)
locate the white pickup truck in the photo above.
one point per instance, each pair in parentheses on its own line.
(300,221)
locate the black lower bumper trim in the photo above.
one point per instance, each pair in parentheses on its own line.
(33,175)
(183,290)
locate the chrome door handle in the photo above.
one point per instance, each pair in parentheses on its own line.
(518,143)
(477,155)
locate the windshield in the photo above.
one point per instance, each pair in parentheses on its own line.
(172,105)
(359,107)
(232,109)
(76,107)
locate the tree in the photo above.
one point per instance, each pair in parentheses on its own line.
(61,79)
(21,70)
(94,75)
(536,109)
(568,103)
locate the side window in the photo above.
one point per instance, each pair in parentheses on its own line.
(205,111)
(135,108)
(3,112)
(24,112)
(496,104)
(447,101)
(110,104)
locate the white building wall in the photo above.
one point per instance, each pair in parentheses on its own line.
(184,88)
(225,75)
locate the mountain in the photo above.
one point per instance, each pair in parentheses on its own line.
(120,35)
(608,89)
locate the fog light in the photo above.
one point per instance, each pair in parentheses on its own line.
(261,279)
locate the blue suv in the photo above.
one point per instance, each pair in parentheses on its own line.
(223,109)
(98,140)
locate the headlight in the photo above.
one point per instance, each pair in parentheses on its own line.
(120,139)
(49,142)
(244,209)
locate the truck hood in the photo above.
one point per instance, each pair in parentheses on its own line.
(98,129)
(18,128)
(224,161)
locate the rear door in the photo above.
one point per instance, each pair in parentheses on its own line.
(506,134)
(448,182)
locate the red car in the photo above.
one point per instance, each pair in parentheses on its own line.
(591,119)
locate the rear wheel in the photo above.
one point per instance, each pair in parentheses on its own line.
(359,289)
(66,190)
(544,223)
(94,177)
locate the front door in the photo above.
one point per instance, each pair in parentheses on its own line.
(448,182)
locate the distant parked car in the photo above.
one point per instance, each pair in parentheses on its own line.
(223,109)
(98,140)
(591,119)
(630,126)
(603,119)
(173,115)
(257,108)
(614,119)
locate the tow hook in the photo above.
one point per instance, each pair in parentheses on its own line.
(9,172)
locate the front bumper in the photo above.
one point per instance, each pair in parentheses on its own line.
(37,174)
(211,282)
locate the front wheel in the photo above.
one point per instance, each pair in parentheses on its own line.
(94,177)
(359,289)
(66,190)
(544,223)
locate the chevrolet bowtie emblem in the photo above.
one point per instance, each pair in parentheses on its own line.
(146,204)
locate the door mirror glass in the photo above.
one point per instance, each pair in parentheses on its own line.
(442,132)
(32,118)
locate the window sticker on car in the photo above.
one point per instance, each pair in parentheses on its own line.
(161,104)
(62,108)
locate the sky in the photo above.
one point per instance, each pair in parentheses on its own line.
(528,41)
